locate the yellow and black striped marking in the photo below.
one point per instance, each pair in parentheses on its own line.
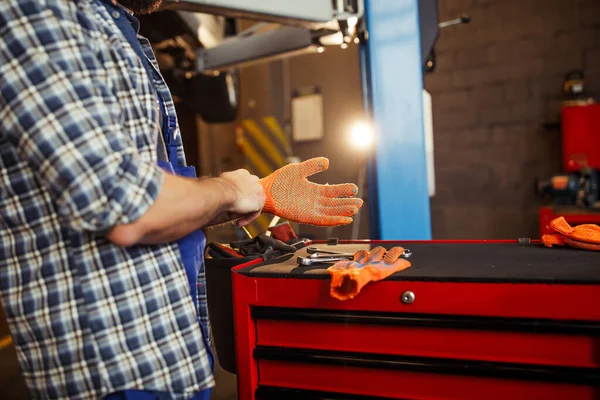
(265,147)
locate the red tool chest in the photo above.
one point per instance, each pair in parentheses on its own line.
(477,320)
(581,137)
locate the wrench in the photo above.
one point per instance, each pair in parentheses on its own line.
(313,250)
(315,253)
(340,255)
(306,261)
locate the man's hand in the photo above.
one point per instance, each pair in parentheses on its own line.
(249,194)
(247,200)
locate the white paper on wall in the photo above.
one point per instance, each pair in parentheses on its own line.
(307,117)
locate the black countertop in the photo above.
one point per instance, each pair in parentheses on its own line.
(468,262)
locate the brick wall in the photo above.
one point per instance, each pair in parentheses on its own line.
(498,80)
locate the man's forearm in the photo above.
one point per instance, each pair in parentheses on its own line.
(182,206)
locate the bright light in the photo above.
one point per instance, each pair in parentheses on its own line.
(362,135)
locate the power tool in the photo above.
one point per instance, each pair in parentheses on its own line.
(581,189)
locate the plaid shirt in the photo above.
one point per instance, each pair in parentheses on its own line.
(78,126)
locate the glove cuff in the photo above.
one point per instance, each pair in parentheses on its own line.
(267,184)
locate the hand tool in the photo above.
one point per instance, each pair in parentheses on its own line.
(406,254)
(247,232)
(464,19)
(581,189)
(340,255)
(312,250)
(306,261)
(316,253)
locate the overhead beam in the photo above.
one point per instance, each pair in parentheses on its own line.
(288,12)
(260,47)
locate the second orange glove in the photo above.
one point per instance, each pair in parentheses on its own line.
(582,236)
(349,277)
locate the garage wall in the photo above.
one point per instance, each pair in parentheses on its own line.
(336,74)
(498,81)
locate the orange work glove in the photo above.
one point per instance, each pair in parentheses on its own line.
(291,196)
(582,236)
(349,277)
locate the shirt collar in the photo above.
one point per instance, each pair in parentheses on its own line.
(127,13)
(127,10)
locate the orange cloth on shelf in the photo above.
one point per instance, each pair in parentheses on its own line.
(349,277)
(585,236)
(293,197)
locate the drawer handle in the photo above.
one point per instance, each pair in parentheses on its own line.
(408,297)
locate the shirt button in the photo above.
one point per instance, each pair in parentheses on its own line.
(116,14)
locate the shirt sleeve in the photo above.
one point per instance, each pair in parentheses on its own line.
(59,112)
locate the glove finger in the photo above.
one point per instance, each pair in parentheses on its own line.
(341,201)
(311,167)
(345,211)
(561,225)
(315,217)
(327,220)
(361,256)
(376,255)
(393,254)
(382,271)
(553,239)
(341,190)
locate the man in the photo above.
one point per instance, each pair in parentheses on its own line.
(92,260)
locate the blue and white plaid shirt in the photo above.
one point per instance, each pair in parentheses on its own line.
(78,127)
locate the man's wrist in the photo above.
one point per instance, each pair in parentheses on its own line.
(227,191)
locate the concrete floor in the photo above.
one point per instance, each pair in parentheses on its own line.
(11,384)
(13,387)
(226,388)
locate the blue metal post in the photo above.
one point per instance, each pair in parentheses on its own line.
(393,66)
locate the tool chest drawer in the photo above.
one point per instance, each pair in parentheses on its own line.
(363,375)
(557,343)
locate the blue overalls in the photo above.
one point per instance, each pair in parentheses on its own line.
(191,246)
